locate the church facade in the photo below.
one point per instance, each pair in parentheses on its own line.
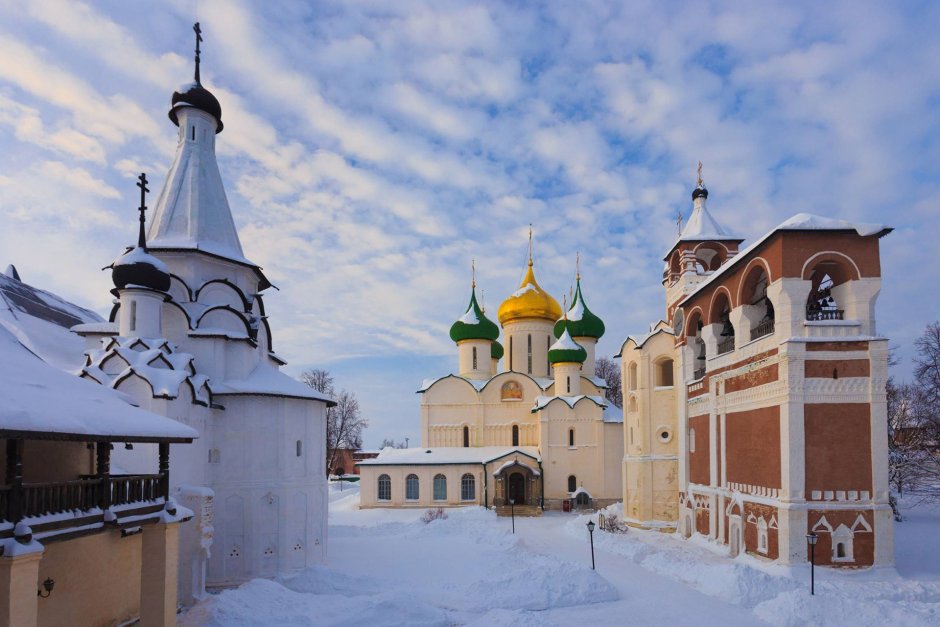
(189,338)
(757,414)
(536,434)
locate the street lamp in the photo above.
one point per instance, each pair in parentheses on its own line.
(512,510)
(811,539)
(590,526)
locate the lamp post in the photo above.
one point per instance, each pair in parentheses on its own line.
(590,527)
(512,511)
(811,539)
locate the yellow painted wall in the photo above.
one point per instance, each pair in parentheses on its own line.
(97,580)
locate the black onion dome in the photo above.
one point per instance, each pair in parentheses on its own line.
(138,267)
(195,95)
(699,191)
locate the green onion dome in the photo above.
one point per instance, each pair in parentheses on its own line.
(566,349)
(474,325)
(496,350)
(580,321)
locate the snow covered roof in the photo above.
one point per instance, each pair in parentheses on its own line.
(799,222)
(659,327)
(479,384)
(41,320)
(542,401)
(703,226)
(43,401)
(266,380)
(447,455)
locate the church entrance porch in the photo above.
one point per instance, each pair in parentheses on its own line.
(520,483)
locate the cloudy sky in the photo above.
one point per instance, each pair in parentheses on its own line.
(371,149)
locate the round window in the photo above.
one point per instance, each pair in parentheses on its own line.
(664,434)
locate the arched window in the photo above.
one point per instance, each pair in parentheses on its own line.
(548,347)
(572,483)
(411,487)
(691,440)
(133,325)
(515,435)
(466,437)
(632,403)
(568,384)
(633,376)
(510,352)
(440,487)
(385,488)
(664,373)
(468,488)
(474,357)
(570,437)
(762,535)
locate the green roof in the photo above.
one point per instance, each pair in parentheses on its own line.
(496,350)
(473,324)
(566,350)
(580,321)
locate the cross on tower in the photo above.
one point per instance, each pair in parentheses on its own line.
(473,272)
(679,222)
(700,183)
(142,184)
(198,32)
(530,244)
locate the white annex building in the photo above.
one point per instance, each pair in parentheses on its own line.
(188,338)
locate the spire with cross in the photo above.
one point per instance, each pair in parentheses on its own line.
(700,182)
(679,222)
(473,273)
(142,184)
(530,244)
(198,32)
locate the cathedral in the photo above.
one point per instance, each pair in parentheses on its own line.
(538,434)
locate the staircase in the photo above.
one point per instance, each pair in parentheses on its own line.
(521,510)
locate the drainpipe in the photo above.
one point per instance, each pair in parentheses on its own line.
(485,488)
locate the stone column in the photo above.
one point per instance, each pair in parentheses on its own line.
(19,583)
(158,574)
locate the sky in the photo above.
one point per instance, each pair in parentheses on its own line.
(372,149)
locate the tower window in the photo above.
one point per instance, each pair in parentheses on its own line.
(466,437)
(569,384)
(515,435)
(691,440)
(474,357)
(510,352)
(572,483)
(548,347)
(570,437)
(300,448)
(529,350)
(133,325)
(194,132)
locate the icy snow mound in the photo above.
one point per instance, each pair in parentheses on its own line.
(263,603)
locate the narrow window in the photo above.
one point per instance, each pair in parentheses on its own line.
(570,437)
(474,357)
(548,347)
(515,435)
(466,437)
(194,132)
(468,488)
(133,325)
(510,352)
(530,354)
(300,448)
(385,488)
(631,435)
(411,487)
(572,483)
(440,487)
(840,550)
(569,384)
(835,373)
(691,440)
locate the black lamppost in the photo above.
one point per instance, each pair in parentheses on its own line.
(590,527)
(811,539)
(512,510)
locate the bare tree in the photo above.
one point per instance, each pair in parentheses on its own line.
(927,362)
(345,422)
(608,370)
(387,443)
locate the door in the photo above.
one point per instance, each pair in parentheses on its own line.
(517,488)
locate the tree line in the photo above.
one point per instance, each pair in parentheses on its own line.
(914,423)
(344,423)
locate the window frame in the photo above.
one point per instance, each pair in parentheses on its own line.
(468,485)
(412,482)
(384,481)
(439,489)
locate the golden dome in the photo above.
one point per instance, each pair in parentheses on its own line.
(529,301)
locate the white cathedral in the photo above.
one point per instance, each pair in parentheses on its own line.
(189,338)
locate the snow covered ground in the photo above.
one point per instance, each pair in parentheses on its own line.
(387,567)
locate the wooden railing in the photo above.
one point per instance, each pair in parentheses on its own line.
(825,314)
(726,345)
(89,491)
(763,328)
(699,373)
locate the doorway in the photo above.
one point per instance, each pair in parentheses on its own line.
(517,488)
